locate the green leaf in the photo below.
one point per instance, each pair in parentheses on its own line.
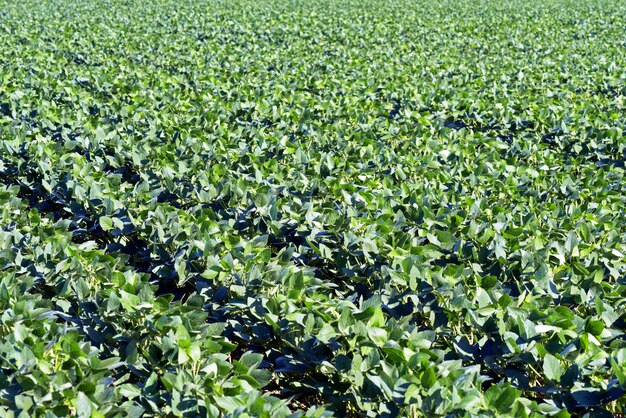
(501,398)
(594,327)
(106,223)
(429,378)
(83,406)
(129,391)
(251,360)
(552,367)
(377,335)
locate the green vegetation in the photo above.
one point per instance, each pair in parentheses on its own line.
(264,208)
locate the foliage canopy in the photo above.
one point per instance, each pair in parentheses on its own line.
(290,208)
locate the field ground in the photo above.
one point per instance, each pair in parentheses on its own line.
(359,208)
